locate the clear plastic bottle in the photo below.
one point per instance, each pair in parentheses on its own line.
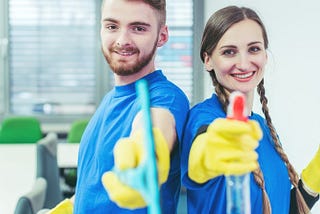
(238,194)
(238,187)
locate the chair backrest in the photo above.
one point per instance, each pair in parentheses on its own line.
(47,167)
(20,129)
(76,130)
(33,201)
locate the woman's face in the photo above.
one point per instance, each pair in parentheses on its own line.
(239,57)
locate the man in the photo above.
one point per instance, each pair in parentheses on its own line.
(131,32)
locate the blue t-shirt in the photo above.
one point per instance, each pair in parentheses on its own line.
(210,197)
(112,121)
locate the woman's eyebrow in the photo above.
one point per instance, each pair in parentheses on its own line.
(228,46)
(255,42)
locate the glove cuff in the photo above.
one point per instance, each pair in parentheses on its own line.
(64,207)
(311,182)
(308,189)
(311,174)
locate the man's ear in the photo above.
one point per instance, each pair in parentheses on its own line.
(163,36)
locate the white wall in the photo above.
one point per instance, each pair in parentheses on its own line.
(293,72)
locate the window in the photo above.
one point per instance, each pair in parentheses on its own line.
(3,53)
(55,65)
(175,57)
(52,56)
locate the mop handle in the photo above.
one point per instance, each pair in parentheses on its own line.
(151,174)
(144,177)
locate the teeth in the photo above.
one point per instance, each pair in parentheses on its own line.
(125,53)
(243,76)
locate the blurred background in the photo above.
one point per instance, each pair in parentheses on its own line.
(51,66)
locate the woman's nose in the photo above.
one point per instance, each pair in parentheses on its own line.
(243,62)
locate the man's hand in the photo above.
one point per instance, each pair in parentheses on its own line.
(129,153)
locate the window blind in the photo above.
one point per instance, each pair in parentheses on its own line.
(52,56)
(175,57)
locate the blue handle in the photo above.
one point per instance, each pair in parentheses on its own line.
(144,178)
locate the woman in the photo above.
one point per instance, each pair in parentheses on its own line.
(233,50)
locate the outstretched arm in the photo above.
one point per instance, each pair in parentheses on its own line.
(162,119)
(129,153)
(309,184)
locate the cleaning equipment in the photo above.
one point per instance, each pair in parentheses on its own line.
(144,177)
(238,187)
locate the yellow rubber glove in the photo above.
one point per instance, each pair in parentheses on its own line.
(64,207)
(129,153)
(311,174)
(227,148)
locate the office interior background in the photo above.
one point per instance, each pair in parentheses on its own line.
(51,64)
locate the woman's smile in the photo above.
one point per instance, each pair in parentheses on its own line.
(243,76)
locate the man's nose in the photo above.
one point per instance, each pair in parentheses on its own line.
(123,39)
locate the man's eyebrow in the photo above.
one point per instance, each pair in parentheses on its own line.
(132,23)
(140,23)
(109,20)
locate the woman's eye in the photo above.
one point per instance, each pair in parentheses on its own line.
(254,49)
(228,52)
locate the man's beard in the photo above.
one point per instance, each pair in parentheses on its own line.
(122,69)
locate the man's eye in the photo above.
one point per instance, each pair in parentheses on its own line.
(110,27)
(139,29)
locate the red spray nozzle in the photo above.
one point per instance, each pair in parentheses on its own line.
(236,108)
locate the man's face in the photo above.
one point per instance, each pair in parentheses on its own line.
(130,35)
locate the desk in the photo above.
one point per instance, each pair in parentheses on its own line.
(67,155)
(18,170)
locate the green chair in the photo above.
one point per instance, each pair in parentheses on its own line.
(20,129)
(76,130)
